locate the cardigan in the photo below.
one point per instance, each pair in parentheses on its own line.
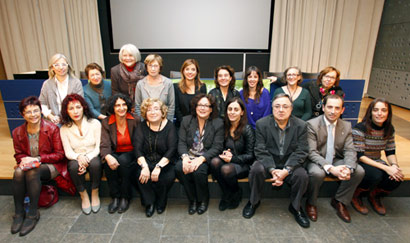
(166,95)
(93,99)
(49,93)
(302,107)
(87,144)
(256,110)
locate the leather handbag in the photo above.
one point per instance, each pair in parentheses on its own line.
(48,196)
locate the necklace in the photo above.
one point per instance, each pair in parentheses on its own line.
(290,93)
(155,140)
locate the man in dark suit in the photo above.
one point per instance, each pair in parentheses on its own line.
(331,153)
(281,149)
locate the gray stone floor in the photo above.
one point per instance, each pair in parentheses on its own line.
(64,222)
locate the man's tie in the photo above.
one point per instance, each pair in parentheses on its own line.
(330,147)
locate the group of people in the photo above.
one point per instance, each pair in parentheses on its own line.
(143,130)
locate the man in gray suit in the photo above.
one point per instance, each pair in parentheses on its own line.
(281,149)
(331,153)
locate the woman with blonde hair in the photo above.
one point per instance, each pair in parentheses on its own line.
(61,82)
(156,152)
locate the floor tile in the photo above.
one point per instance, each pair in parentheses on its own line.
(130,230)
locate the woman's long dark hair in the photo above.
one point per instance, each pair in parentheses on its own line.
(259,85)
(242,122)
(387,126)
(65,118)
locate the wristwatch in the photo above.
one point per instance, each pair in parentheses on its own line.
(183,155)
(158,166)
(289,169)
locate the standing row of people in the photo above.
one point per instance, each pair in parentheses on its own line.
(140,80)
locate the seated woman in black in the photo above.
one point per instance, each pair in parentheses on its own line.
(200,139)
(156,151)
(234,162)
(117,149)
(327,83)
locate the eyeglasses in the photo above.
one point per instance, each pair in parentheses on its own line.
(60,65)
(203,106)
(329,77)
(284,107)
(156,109)
(33,112)
(153,66)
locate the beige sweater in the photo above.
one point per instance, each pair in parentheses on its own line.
(87,144)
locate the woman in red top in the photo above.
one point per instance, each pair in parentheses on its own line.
(117,149)
(40,156)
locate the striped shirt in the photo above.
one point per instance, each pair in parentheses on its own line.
(371,143)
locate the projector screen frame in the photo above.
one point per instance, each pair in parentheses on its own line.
(179,50)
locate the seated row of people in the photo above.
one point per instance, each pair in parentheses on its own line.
(140,80)
(283,149)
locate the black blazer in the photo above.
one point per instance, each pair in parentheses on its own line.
(242,152)
(213,137)
(296,148)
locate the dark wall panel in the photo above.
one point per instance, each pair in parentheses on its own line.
(391,63)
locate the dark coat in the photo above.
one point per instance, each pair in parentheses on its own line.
(296,147)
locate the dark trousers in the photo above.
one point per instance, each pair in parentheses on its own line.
(156,192)
(28,182)
(375,177)
(298,182)
(227,175)
(195,183)
(120,180)
(94,168)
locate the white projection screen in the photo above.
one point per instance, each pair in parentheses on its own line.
(191,24)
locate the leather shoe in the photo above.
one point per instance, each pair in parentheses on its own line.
(202,207)
(192,207)
(149,210)
(123,205)
(160,209)
(300,216)
(17,223)
(377,205)
(29,224)
(113,207)
(311,212)
(341,210)
(223,205)
(249,210)
(357,204)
